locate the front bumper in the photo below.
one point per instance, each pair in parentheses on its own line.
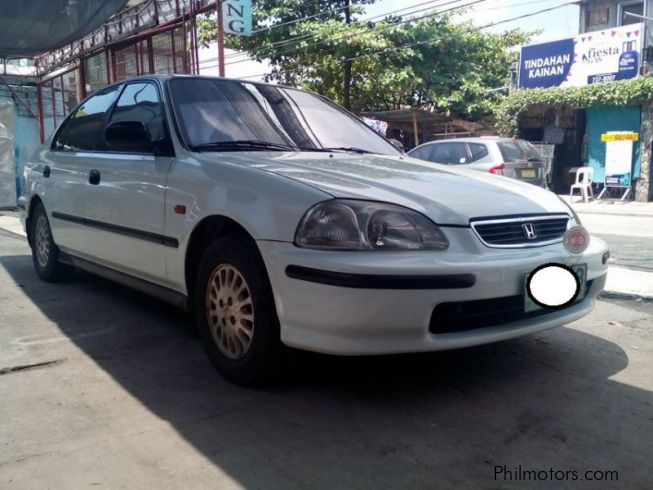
(372,317)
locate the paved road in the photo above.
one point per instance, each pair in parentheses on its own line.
(103,387)
(630,238)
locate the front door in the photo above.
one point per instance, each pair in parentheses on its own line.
(125,195)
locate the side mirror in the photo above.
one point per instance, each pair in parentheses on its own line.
(397,144)
(129,136)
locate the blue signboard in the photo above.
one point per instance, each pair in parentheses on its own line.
(546,65)
(592,57)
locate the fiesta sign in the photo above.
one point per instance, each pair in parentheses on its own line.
(602,56)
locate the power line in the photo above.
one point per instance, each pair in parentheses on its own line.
(365,30)
(383,28)
(487,26)
(364,20)
(493,24)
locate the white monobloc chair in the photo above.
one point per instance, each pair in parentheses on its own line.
(583,183)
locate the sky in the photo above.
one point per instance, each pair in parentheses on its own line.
(556,24)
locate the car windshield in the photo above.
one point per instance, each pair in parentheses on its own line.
(518,150)
(230,115)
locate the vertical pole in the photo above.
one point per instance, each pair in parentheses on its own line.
(346,94)
(111,68)
(54,103)
(185,45)
(63,98)
(220,31)
(81,90)
(39,97)
(645,35)
(415,128)
(150,54)
(174,50)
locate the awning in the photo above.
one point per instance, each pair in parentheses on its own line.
(32,27)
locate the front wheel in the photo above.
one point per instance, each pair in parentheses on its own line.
(45,253)
(235,312)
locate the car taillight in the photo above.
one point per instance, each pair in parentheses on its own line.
(497,169)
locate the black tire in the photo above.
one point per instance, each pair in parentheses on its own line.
(256,363)
(45,253)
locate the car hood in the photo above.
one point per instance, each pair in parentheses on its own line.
(446,194)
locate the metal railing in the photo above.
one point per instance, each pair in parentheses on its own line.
(129,22)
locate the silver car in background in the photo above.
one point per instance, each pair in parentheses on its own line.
(513,158)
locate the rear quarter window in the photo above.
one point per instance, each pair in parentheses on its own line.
(517,150)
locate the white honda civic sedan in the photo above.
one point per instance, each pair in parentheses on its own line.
(279,219)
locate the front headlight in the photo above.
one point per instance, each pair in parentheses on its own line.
(362,225)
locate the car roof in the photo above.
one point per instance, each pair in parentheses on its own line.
(164,77)
(481,139)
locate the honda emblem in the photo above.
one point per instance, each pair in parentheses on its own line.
(529,231)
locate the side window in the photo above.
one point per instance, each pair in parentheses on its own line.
(84,129)
(422,153)
(141,102)
(59,140)
(450,153)
(478,151)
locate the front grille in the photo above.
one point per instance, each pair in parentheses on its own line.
(522,231)
(461,316)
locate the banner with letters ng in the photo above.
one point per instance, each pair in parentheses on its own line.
(237,17)
(593,57)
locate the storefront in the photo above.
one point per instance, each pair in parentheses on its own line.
(576,90)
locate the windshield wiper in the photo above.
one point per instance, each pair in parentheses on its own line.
(245,145)
(348,148)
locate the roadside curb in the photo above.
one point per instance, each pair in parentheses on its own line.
(608,213)
(625,296)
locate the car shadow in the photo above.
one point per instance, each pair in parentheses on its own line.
(441,419)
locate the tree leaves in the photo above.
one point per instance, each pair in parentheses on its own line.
(621,93)
(396,62)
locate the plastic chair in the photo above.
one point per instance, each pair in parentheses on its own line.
(583,183)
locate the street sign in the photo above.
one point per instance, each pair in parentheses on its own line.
(237,17)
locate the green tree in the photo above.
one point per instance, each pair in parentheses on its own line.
(283,31)
(391,63)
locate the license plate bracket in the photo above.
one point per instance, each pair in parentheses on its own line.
(581,273)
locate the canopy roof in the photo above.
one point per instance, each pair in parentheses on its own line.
(32,27)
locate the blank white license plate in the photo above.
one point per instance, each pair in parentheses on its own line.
(580,271)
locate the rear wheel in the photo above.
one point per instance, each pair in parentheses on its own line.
(235,312)
(45,253)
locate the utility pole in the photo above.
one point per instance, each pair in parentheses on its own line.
(219,24)
(346,93)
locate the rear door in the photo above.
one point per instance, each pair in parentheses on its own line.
(125,192)
(450,153)
(65,169)
(480,156)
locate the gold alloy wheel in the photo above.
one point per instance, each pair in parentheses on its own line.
(230,311)
(42,241)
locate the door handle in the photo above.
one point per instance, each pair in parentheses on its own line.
(94,177)
(46,171)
